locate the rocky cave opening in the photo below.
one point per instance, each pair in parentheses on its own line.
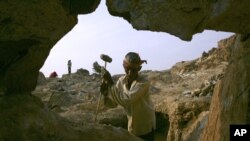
(29,30)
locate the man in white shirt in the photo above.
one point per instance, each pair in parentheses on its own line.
(132,93)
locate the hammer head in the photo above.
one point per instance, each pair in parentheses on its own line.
(97,67)
(106,58)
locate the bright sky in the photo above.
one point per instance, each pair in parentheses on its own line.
(100,33)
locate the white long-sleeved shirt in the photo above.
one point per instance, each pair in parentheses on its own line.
(137,103)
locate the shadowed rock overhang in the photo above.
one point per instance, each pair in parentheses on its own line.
(184,18)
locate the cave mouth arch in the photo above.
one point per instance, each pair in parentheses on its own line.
(19,76)
(100,33)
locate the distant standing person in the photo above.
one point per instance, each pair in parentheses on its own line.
(69,66)
(132,92)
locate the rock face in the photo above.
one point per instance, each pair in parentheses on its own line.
(230,103)
(41,79)
(183,18)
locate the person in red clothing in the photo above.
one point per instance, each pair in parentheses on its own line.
(53,75)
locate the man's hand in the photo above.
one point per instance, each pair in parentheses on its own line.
(107,77)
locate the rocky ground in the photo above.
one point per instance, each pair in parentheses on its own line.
(181,96)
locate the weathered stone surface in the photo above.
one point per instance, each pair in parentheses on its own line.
(231,96)
(82,72)
(193,132)
(184,18)
(28,30)
(41,79)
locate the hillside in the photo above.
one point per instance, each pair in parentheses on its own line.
(181,95)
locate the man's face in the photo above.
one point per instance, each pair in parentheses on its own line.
(131,72)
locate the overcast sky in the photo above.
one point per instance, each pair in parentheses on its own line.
(100,33)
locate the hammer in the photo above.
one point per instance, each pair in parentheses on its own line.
(106,59)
